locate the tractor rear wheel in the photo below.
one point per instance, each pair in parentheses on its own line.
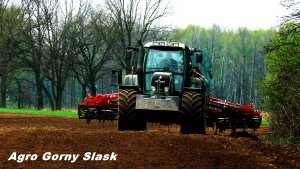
(193,105)
(129,117)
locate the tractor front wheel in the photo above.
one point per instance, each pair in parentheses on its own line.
(129,117)
(193,105)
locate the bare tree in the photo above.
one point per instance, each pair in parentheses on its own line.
(135,19)
(244,50)
(95,39)
(293,6)
(3,57)
(61,50)
(9,20)
(34,33)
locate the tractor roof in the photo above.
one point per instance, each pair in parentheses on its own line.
(165,43)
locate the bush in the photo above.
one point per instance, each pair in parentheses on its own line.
(281,85)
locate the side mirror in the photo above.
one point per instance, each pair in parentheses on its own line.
(199,57)
(128,55)
(120,76)
(140,59)
(116,77)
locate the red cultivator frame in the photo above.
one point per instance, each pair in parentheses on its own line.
(227,115)
(102,107)
(221,114)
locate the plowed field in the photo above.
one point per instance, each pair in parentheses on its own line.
(47,138)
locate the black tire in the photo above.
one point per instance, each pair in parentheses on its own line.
(193,105)
(129,117)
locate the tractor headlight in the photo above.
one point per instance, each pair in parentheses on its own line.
(153,88)
(166,89)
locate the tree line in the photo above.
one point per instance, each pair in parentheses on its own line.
(237,58)
(54,52)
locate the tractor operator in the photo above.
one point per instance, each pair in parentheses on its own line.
(169,63)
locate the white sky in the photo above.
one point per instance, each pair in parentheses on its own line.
(230,14)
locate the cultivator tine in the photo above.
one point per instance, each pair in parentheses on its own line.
(88,121)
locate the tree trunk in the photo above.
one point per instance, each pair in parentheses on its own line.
(19,99)
(93,86)
(59,94)
(83,86)
(58,101)
(3,88)
(222,95)
(39,90)
(50,99)
(72,86)
(238,91)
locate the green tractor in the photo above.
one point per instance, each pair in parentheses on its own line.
(167,83)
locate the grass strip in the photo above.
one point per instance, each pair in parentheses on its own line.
(70,113)
(265,123)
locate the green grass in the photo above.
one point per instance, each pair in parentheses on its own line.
(71,113)
(265,123)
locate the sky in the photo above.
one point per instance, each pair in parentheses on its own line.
(229,14)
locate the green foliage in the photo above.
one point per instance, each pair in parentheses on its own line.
(237,58)
(281,85)
(280,140)
(72,114)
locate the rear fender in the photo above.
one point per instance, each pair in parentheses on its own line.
(192,89)
(130,87)
(131,80)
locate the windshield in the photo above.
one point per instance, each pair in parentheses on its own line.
(165,61)
(158,60)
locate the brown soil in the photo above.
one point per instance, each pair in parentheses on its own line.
(158,147)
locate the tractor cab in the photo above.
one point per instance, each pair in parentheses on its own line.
(164,69)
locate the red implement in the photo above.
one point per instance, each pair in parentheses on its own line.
(221,113)
(101,106)
(228,115)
